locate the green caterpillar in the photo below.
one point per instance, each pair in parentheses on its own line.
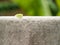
(19,15)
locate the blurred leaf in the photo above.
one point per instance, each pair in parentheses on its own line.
(58,4)
(34,7)
(6,6)
(53,7)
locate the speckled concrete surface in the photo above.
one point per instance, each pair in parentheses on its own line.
(30,31)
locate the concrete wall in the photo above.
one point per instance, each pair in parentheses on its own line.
(30,31)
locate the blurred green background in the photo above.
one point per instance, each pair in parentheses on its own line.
(30,7)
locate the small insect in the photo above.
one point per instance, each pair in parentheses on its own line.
(19,15)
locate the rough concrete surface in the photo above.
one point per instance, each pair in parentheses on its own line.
(30,31)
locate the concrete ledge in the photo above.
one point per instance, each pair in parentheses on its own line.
(29,30)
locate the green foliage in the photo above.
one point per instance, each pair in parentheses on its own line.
(58,4)
(53,7)
(6,6)
(33,7)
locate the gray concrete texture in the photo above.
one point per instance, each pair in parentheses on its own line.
(30,31)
